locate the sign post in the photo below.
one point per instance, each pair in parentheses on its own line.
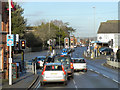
(10,43)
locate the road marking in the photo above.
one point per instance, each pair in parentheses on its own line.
(116,81)
(76,73)
(81,72)
(97,72)
(38,85)
(74,83)
(105,76)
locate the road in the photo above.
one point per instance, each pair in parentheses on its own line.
(97,75)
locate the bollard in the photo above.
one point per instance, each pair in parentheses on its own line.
(92,55)
(35,69)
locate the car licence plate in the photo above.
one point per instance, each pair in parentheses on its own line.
(53,73)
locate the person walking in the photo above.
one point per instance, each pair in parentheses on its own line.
(118,55)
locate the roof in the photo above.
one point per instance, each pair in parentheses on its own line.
(41,56)
(96,42)
(111,26)
(77,58)
(54,64)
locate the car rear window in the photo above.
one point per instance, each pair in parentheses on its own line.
(62,59)
(79,61)
(53,68)
(41,59)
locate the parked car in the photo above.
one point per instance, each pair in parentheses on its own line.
(67,62)
(53,72)
(106,51)
(40,61)
(79,64)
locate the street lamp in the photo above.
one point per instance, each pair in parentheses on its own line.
(59,36)
(94,18)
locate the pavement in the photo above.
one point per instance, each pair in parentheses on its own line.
(27,78)
(24,81)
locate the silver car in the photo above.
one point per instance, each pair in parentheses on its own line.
(53,72)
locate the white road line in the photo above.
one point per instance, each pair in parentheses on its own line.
(116,81)
(97,72)
(106,76)
(38,85)
(75,84)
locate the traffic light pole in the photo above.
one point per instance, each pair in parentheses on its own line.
(10,48)
(22,58)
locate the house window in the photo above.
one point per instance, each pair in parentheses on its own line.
(100,37)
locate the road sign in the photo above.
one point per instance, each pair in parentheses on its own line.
(10,40)
(16,37)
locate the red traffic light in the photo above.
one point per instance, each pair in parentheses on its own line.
(71,39)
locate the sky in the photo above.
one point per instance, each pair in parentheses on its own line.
(80,15)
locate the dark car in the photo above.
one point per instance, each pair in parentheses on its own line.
(106,51)
(68,63)
(49,59)
(40,61)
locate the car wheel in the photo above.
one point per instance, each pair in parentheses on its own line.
(42,83)
(72,76)
(65,83)
(85,70)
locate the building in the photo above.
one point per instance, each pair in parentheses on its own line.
(109,32)
(4,28)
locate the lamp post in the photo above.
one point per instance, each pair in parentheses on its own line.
(59,36)
(94,18)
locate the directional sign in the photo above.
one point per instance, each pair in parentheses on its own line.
(10,40)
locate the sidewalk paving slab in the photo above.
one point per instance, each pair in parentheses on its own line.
(23,82)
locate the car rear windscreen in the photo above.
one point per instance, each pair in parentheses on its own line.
(53,68)
(62,59)
(79,61)
(42,59)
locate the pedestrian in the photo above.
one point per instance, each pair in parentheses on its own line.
(118,55)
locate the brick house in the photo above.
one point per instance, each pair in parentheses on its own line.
(4,28)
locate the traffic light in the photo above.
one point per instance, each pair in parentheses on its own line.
(66,42)
(17,46)
(22,44)
(50,42)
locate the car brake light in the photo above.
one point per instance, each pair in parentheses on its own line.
(62,55)
(63,70)
(85,61)
(43,70)
(38,61)
(71,65)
